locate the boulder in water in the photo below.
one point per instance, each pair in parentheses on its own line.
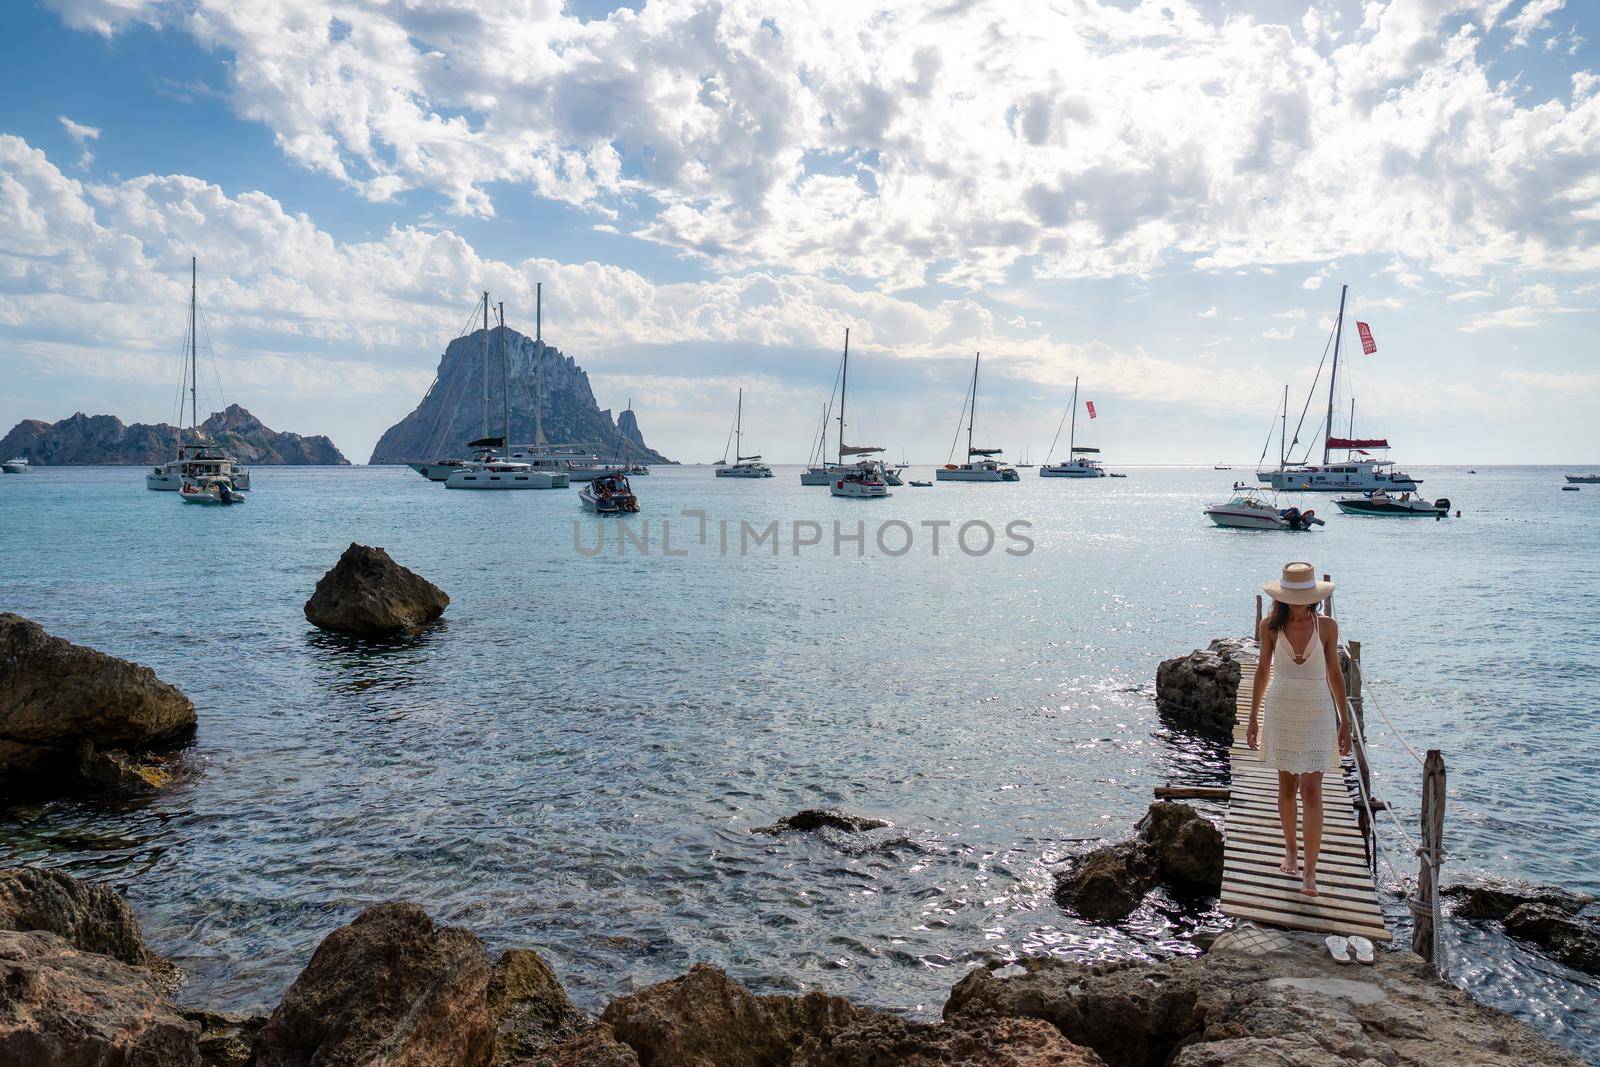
(822,819)
(89,917)
(1198,691)
(1175,845)
(1106,884)
(370,595)
(1495,899)
(531,1011)
(391,987)
(1185,847)
(1569,940)
(64,708)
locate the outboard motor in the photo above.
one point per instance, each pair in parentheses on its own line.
(1443,503)
(1292,517)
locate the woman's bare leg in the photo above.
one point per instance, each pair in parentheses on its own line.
(1311,801)
(1287,817)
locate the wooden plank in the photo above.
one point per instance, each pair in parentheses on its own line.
(1246,868)
(1329,845)
(1297,919)
(1275,881)
(1330,830)
(1271,854)
(1297,903)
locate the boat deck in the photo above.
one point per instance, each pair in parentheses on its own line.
(1252,886)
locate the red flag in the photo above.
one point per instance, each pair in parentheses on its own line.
(1090,405)
(1368,345)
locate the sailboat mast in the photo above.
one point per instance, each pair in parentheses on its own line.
(1283,432)
(738,427)
(505,383)
(194,347)
(1072,429)
(538,364)
(972,409)
(1333,378)
(844,380)
(484,429)
(1352,432)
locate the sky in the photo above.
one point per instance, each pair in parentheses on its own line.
(1161,199)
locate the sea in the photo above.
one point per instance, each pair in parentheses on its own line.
(575,757)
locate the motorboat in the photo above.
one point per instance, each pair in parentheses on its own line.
(197,458)
(17,465)
(981,464)
(1571,489)
(1359,471)
(1584,479)
(1114,474)
(865,482)
(922,485)
(1380,502)
(742,466)
(1255,509)
(609,495)
(1079,463)
(209,490)
(1220,467)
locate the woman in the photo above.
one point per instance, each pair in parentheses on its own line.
(1307,716)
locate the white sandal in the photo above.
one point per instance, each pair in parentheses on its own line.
(1338,948)
(1362,948)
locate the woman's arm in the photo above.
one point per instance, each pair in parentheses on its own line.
(1341,702)
(1264,637)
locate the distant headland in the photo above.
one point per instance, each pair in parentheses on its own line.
(95,439)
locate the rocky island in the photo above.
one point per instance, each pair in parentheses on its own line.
(95,439)
(451,414)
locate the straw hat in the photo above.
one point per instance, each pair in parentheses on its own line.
(1298,585)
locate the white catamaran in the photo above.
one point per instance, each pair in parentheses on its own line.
(742,466)
(1358,470)
(490,471)
(198,458)
(981,466)
(1078,464)
(851,459)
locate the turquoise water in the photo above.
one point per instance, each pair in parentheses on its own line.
(574,758)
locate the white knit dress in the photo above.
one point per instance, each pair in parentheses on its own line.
(1299,728)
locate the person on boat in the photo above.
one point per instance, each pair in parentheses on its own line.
(1307,717)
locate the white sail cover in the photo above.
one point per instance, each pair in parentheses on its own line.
(859,450)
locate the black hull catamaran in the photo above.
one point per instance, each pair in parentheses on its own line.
(1358,471)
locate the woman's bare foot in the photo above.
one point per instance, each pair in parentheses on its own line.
(1308,884)
(1290,866)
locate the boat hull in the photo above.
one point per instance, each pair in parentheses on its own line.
(1334,480)
(1584,479)
(1398,511)
(744,472)
(15,468)
(1236,519)
(848,490)
(1071,472)
(961,475)
(491,480)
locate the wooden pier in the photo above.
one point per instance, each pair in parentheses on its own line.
(1254,888)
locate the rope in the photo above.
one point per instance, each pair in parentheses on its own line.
(1398,736)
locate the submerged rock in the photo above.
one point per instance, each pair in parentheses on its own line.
(391,988)
(1175,845)
(1291,1005)
(1198,691)
(822,819)
(65,708)
(226,1038)
(1495,899)
(1569,940)
(370,595)
(59,1005)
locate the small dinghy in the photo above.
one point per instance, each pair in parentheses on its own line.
(209,491)
(922,485)
(1255,510)
(1569,489)
(609,495)
(1401,505)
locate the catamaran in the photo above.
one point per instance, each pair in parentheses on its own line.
(567,463)
(819,471)
(981,466)
(742,466)
(1359,470)
(1078,464)
(197,458)
(491,471)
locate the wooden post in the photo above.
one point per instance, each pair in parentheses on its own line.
(1257,630)
(1328,578)
(1422,932)
(1356,707)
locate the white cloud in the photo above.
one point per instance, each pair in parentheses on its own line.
(1566,383)
(935,142)
(1535,14)
(1280,333)
(1313,282)
(1208,313)
(83,135)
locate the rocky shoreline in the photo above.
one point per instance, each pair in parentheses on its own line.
(78,985)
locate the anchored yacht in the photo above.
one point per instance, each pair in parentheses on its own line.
(19,465)
(742,466)
(492,470)
(981,466)
(1078,464)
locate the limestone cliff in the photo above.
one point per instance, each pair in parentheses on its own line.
(83,439)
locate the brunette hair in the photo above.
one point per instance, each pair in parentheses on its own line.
(1278,617)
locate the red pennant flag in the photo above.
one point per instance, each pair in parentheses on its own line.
(1090,404)
(1368,345)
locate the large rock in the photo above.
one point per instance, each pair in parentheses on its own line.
(65,1008)
(530,1009)
(105,439)
(595,1046)
(1242,1005)
(1175,845)
(822,819)
(370,595)
(389,988)
(1571,941)
(881,1040)
(698,1019)
(89,917)
(1197,692)
(63,706)
(1495,899)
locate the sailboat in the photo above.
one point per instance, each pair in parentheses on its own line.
(1078,464)
(850,459)
(567,461)
(981,466)
(742,466)
(490,471)
(1363,474)
(197,458)
(1024,462)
